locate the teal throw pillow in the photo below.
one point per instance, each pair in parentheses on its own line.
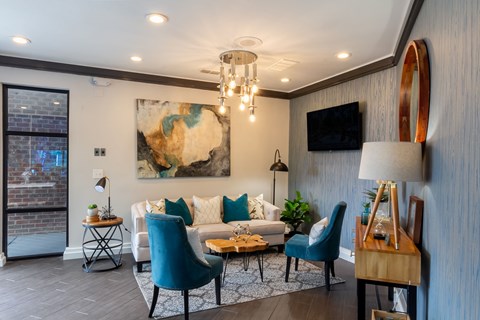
(235,210)
(179,209)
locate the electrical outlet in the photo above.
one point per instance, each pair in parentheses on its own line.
(96,152)
(98,173)
(103,152)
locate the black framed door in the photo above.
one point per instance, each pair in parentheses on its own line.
(35,171)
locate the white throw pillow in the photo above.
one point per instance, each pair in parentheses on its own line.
(317,230)
(206,211)
(255,208)
(158,207)
(194,240)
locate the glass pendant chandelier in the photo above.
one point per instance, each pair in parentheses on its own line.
(233,81)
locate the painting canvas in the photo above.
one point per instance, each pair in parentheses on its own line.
(176,139)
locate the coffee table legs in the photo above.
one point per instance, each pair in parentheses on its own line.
(246,263)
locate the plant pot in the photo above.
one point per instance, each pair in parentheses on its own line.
(92,212)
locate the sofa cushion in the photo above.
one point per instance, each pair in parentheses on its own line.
(155,207)
(234,210)
(255,207)
(214,231)
(262,227)
(180,209)
(206,211)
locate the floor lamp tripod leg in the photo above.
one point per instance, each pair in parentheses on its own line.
(380,191)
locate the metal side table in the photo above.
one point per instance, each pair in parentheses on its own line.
(106,244)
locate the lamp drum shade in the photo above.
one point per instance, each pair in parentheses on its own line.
(391,161)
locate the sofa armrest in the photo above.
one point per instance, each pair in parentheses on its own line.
(138,217)
(271,211)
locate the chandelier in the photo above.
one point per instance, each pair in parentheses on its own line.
(235,82)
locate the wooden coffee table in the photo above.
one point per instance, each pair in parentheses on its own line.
(243,244)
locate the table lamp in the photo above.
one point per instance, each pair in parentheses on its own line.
(100,187)
(277,165)
(388,162)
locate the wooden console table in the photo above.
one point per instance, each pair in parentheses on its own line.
(380,264)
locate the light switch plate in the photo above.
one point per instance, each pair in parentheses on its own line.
(98,173)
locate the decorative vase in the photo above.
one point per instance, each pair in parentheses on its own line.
(364,217)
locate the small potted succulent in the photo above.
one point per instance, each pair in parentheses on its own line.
(92,210)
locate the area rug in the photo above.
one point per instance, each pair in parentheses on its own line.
(240,286)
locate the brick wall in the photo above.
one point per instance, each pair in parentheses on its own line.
(37,175)
(36,222)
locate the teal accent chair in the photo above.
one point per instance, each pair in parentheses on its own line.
(326,249)
(174,264)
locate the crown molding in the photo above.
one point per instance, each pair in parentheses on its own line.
(376,66)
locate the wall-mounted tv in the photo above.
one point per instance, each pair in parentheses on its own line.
(336,128)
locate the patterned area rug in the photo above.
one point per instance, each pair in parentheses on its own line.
(240,286)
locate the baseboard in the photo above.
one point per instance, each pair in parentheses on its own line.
(346,255)
(71,253)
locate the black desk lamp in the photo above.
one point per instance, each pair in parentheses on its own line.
(100,187)
(277,165)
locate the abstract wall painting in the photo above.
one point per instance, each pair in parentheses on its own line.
(176,139)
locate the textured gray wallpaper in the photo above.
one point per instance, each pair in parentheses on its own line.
(451,241)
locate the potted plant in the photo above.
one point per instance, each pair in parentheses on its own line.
(296,212)
(92,210)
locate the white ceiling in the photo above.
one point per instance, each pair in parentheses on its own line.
(106,33)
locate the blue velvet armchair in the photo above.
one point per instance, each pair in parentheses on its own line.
(326,248)
(174,263)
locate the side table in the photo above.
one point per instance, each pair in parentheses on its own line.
(107,242)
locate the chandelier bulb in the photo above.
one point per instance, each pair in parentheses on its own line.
(222,109)
(246,98)
(232,84)
(230,92)
(252,117)
(254,88)
(242,106)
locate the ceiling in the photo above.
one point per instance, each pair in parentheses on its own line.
(106,33)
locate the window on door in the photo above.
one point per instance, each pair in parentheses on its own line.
(35,171)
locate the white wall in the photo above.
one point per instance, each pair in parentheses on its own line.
(105,117)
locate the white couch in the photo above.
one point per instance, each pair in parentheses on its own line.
(272,229)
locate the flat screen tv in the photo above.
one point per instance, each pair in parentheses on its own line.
(336,128)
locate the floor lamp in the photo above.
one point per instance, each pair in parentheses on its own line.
(277,165)
(388,162)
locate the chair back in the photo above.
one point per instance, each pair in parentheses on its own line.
(327,248)
(174,264)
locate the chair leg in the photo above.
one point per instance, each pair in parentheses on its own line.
(217,289)
(154,300)
(280,248)
(327,274)
(332,268)
(139,267)
(185,303)
(287,271)
(296,264)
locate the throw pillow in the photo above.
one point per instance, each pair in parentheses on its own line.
(194,240)
(158,207)
(317,231)
(255,207)
(235,210)
(206,211)
(179,208)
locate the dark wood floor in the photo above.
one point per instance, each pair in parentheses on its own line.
(50,288)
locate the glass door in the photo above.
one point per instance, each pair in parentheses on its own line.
(35,171)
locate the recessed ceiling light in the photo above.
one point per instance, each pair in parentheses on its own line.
(136,58)
(285,80)
(157,18)
(21,40)
(343,55)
